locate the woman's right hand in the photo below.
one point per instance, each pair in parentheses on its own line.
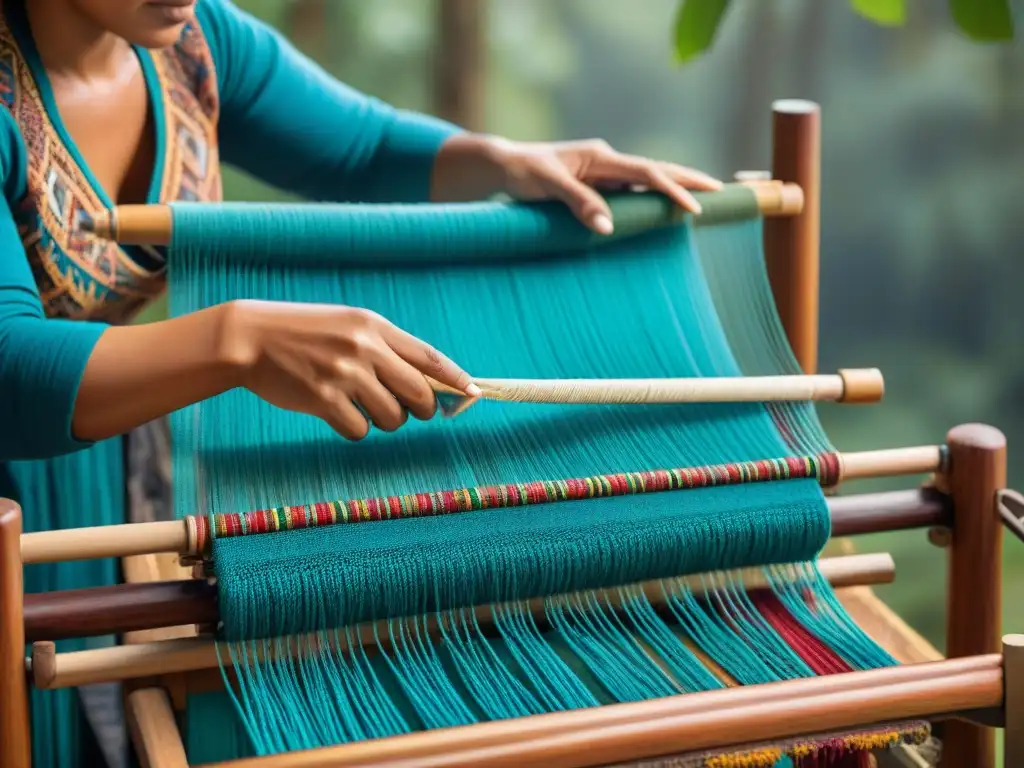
(341,364)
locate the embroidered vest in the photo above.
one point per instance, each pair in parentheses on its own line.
(80,276)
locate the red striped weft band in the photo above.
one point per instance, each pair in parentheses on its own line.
(825,468)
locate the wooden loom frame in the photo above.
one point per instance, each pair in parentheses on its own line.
(980,686)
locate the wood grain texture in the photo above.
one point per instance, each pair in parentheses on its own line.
(791,243)
(15,738)
(691,722)
(974,617)
(153,730)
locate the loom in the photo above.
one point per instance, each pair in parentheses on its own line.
(611,559)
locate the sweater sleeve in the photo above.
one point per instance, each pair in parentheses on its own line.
(286,121)
(41,360)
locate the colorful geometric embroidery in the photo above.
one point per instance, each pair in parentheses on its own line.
(825,468)
(79,276)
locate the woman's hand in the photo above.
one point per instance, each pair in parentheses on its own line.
(341,364)
(472,167)
(347,366)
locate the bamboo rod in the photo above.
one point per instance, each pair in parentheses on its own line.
(154,224)
(691,722)
(181,537)
(126,662)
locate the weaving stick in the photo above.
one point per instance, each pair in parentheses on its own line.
(154,224)
(189,537)
(62,670)
(847,386)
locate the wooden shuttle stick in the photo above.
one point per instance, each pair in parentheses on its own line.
(154,224)
(180,536)
(63,670)
(847,386)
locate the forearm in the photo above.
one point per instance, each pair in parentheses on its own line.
(139,373)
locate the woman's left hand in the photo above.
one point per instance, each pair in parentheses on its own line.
(569,171)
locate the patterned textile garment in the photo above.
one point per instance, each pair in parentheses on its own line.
(228,90)
(82,278)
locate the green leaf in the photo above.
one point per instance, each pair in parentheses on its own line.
(697,21)
(888,13)
(983,20)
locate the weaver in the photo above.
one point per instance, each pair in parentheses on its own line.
(551,509)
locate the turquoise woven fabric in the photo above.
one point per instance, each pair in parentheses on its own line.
(519,291)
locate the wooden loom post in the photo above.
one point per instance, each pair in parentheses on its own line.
(15,744)
(977,470)
(791,243)
(1013,700)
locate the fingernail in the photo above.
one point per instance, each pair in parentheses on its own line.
(697,209)
(603,224)
(473,390)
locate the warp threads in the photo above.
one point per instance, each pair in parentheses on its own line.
(519,294)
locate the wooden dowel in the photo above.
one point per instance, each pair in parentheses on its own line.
(785,717)
(977,470)
(15,737)
(692,722)
(99,611)
(154,224)
(919,460)
(792,243)
(424,744)
(105,541)
(848,386)
(114,610)
(890,511)
(154,730)
(176,536)
(64,670)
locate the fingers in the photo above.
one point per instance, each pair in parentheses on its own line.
(648,173)
(379,404)
(428,361)
(343,417)
(583,200)
(408,385)
(691,178)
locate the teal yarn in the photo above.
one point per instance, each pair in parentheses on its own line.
(518,291)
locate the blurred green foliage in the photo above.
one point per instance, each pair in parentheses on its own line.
(922,272)
(697,21)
